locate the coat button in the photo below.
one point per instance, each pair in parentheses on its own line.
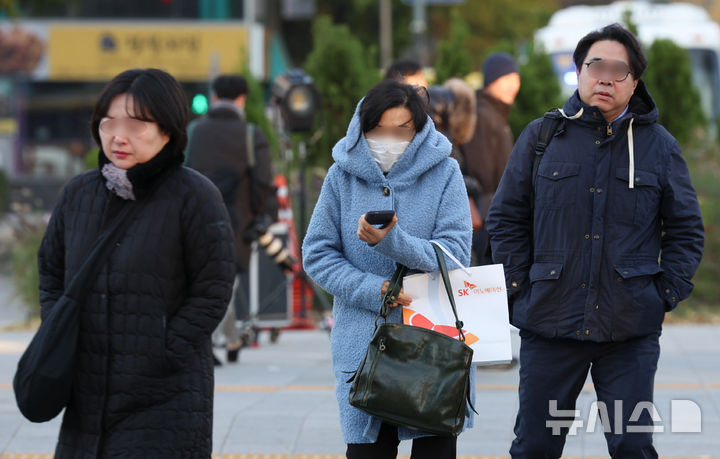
(386,191)
(578,333)
(597,142)
(596,237)
(667,290)
(637,179)
(514,284)
(619,279)
(597,306)
(556,173)
(592,189)
(673,299)
(587,332)
(583,285)
(553,272)
(599,190)
(587,236)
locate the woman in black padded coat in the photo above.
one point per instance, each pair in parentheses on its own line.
(143,385)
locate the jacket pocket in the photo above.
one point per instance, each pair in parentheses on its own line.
(556,185)
(545,271)
(544,296)
(641,203)
(638,283)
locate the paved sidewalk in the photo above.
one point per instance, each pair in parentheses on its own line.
(279,403)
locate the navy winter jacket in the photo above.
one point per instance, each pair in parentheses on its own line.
(615,234)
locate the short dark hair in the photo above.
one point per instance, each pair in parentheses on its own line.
(615,32)
(390,94)
(157,97)
(398,70)
(230,86)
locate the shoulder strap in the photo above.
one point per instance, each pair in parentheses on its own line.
(448,287)
(392,291)
(551,121)
(101,249)
(250,144)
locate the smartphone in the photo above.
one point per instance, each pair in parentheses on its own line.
(379,217)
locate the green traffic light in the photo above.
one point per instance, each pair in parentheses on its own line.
(200,104)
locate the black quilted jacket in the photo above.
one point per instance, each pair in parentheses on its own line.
(143,385)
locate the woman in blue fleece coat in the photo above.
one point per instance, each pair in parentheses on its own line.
(391,158)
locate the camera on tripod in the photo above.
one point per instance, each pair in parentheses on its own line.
(273,246)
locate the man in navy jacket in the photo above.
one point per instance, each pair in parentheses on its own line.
(610,243)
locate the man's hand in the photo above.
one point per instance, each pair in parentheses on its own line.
(368,233)
(401,300)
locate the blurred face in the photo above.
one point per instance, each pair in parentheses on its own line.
(395,124)
(604,78)
(505,88)
(127,141)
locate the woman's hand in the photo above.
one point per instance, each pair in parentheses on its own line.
(368,233)
(402,299)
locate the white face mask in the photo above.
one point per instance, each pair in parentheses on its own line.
(387,151)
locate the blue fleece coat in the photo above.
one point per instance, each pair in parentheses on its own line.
(426,190)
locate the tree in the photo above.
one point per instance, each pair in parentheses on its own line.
(255,111)
(343,72)
(453,58)
(539,90)
(669,80)
(495,23)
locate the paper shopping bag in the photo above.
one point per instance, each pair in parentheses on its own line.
(481,300)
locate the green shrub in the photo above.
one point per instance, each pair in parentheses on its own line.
(24,266)
(343,72)
(539,90)
(669,80)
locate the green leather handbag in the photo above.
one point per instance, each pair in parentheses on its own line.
(415,377)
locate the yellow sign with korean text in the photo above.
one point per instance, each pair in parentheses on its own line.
(189,51)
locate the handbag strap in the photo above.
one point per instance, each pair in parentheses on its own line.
(101,248)
(448,287)
(392,291)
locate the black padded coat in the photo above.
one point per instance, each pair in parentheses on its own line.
(143,384)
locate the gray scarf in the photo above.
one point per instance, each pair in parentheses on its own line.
(117,181)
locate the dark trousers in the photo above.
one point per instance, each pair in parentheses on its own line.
(481,252)
(386,447)
(553,372)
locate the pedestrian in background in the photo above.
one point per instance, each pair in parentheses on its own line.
(235,156)
(452,109)
(392,158)
(143,384)
(605,243)
(487,153)
(407,72)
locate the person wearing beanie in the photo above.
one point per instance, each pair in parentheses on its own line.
(487,152)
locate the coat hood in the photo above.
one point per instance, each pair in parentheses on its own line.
(427,149)
(641,108)
(641,111)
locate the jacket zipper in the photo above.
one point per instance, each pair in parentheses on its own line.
(381,347)
(609,129)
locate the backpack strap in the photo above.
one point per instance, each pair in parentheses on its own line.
(551,121)
(250,143)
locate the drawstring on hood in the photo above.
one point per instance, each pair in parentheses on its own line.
(641,110)
(631,156)
(573,117)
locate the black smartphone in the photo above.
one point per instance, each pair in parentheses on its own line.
(379,217)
